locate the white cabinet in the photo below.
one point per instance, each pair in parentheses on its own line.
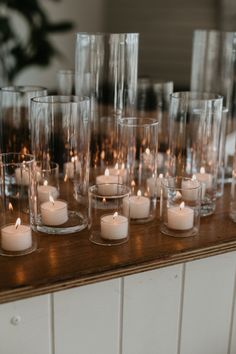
(181,309)
(25,326)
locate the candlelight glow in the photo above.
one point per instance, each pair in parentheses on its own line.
(10,207)
(106,173)
(116,166)
(194,178)
(178,195)
(133,183)
(147,151)
(182,205)
(139,193)
(18,222)
(202,170)
(115,215)
(161,175)
(104,200)
(123,166)
(45,183)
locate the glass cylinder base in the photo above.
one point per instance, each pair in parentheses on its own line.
(4,252)
(96,238)
(175,233)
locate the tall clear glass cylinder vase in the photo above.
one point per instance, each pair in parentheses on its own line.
(106,71)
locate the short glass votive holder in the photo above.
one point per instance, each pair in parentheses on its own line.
(44,198)
(16,180)
(109,214)
(180,206)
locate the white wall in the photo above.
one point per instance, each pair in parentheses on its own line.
(87,15)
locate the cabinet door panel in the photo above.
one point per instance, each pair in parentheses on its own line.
(207,305)
(86,319)
(151,311)
(25,326)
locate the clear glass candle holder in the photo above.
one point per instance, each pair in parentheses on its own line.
(154,101)
(61,133)
(109,214)
(195,126)
(15,132)
(138,154)
(16,182)
(180,206)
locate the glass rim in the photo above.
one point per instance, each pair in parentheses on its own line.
(27,162)
(60,99)
(93,190)
(165,180)
(212,31)
(22,88)
(129,122)
(55,164)
(197,96)
(108,34)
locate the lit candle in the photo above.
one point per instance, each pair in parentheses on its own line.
(16,237)
(107,185)
(154,185)
(190,190)
(70,168)
(22,176)
(45,191)
(204,178)
(114,227)
(54,213)
(180,217)
(138,206)
(120,172)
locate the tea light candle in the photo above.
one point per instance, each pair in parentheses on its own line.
(107,185)
(154,185)
(138,206)
(22,176)
(54,213)
(45,191)
(204,178)
(114,227)
(120,172)
(180,217)
(71,167)
(16,237)
(190,190)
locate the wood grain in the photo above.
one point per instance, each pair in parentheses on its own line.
(67,261)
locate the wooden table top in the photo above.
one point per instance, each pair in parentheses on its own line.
(63,262)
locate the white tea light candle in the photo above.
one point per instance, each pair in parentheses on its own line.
(204,178)
(22,176)
(107,184)
(138,206)
(154,185)
(190,189)
(54,213)
(45,191)
(180,217)
(16,237)
(120,172)
(114,227)
(70,168)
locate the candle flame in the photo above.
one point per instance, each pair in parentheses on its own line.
(116,166)
(178,195)
(51,199)
(202,170)
(123,166)
(72,159)
(103,155)
(106,173)
(139,193)
(194,178)
(133,183)
(115,215)
(147,151)
(65,178)
(104,200)
(181,206)
(161,175)
(18,222)
(45,183)
(10,207)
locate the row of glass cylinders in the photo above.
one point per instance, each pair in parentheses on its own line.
(94,157)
